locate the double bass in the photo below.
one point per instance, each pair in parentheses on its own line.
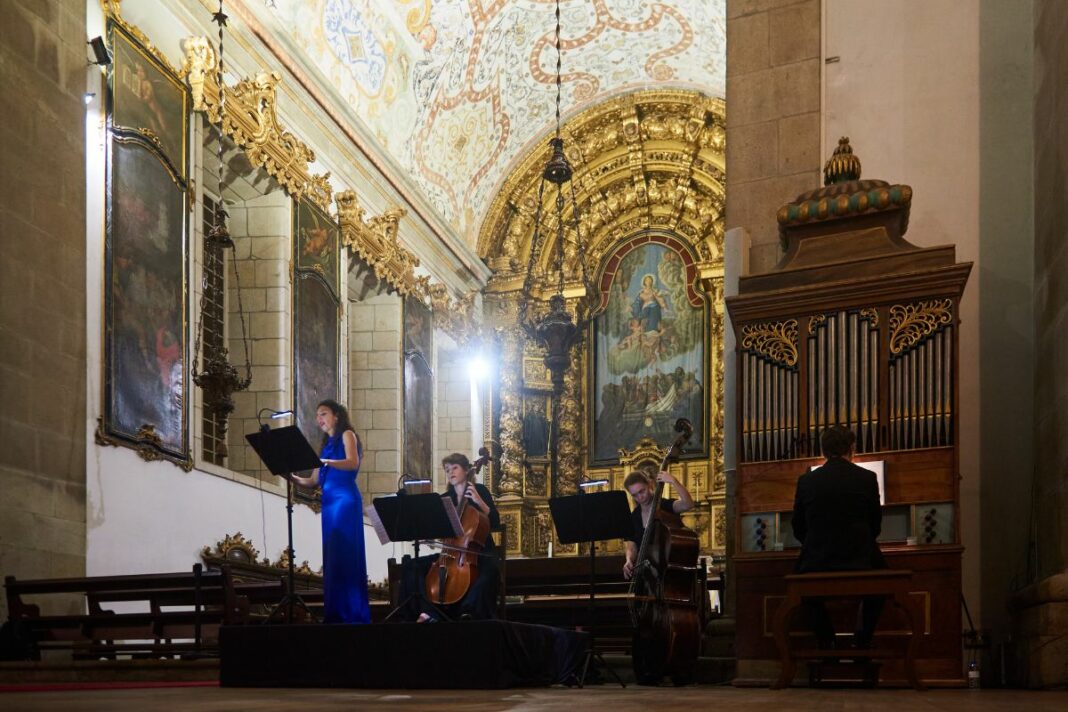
(451,576)
(664,598)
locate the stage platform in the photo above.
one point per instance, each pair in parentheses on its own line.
(461,655)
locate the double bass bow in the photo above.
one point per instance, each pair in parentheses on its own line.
(664,604)
(451,576)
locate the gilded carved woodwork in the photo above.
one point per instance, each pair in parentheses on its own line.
(113,10)
(719,526)
(250,119)
(571,440)
(511,423)
(645,450)
(234,547)
(643,160)
(775,341)
(911,323)
(375,240)
(146,443)
(455,316)
(652,159)
(302,568)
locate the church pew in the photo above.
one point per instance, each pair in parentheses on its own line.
(185,610)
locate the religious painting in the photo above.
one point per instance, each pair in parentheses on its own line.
(648,366)
(418,388)
(317,374)
(147,98)
(317,242)
(145,330)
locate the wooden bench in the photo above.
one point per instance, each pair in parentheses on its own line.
(556,592)
(893,584)
(185,610)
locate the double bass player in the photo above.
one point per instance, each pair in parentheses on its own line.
(641,489)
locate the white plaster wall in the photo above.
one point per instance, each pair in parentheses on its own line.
(150,517)
(906,91)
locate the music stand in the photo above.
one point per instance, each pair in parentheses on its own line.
(587,519)
(285,451)
(414,518)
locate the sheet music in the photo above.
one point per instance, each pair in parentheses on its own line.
(376,522)
(383,535)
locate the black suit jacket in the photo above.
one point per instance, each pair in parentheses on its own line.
(837,518)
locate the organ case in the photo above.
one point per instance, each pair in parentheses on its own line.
(854,326)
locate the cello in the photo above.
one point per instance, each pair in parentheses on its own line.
(451,576)
(664,598)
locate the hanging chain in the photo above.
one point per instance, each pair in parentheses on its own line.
(557,68)
(218,235)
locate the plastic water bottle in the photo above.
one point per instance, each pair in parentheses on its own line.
(973,675)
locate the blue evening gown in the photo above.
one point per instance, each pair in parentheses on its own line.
(344,562)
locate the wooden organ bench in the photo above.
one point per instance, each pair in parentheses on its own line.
(893,584)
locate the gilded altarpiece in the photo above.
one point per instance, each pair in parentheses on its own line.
(646,164)
(147,189)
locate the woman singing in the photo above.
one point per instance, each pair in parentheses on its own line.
(344,562)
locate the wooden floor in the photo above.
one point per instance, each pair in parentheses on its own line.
(588,700)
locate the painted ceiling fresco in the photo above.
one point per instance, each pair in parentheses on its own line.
(456,90)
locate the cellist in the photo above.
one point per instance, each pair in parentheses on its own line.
(642,488)
(481,599)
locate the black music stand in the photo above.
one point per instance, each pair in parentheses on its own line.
(285,451)
(414,518)
(587,519)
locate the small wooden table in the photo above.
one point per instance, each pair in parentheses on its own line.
(894,584)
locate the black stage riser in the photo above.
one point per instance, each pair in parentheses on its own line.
(462,655)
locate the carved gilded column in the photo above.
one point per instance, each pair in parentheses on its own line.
(570,423)
(511,482)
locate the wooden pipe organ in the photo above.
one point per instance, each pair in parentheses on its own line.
(858,327)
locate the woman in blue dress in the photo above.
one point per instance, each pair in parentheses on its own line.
(344,562)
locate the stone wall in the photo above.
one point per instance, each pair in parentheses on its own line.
(1051,283)
(1041,620)
(453,408)
(42,287)
(261,227)
(375,389)
(773,115)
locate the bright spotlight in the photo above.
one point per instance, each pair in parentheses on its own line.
(477,368)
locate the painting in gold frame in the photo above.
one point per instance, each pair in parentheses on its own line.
(316,321)
(145,374)
(147,98)
(418,388)
(317,242)
(648,364)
